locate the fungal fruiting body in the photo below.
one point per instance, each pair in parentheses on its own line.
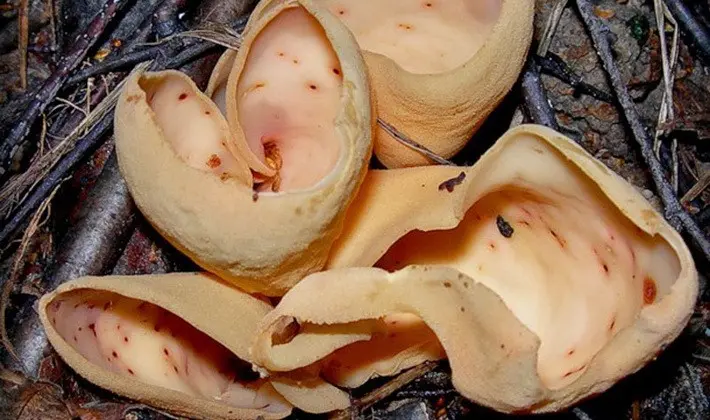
(545,276)
(438,68)
(252,178)
(149,338)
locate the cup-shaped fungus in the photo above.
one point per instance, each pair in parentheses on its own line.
(544,275)
(438,67)
(256,195)
(149,338)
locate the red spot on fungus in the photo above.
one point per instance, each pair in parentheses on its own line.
(175,369)
(649,291)
(92,327)
(313,87)
(114,354)
(182,96)
(280,54)
(295,61)
(573,371)
(463,309)
(491,245)
(405,26)
(606,268)
(502,346)
(336,71)
(131,372)
(208,113)
(613,324)
(447,284)
(558,239)
(107,305)
(341,12)
(75,340)
(125,339)
(428,4)
(525,222)
(167,353)
(80,328)
(214,161)
(571,352)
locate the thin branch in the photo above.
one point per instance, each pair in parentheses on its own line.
(169,47)
(696,31)
(553,65)
(23,39)
(674,213)
(51,86)
(34,226)
(400,137)
(384,391)
(537,106)
(551,27)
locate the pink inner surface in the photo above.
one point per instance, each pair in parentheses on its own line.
(288,98)
(140,340)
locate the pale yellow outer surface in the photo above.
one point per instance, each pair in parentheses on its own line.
(442,111)
(265,245)
(493,356)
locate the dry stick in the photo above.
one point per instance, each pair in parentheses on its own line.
(51,86)
(537,105)
(384,391)
(17,265)
(84,146)
(191,48)
(551,27)
(125,32)
(165,20)
(23,39)
(698,33)
(392,131)
(666,112)
(674,213)
(553,65)
(106,218)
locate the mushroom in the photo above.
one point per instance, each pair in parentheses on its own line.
(438,68)
(251,179)
(544,275)
(150,339)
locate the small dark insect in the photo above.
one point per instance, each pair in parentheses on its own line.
(504,227)
(450,184)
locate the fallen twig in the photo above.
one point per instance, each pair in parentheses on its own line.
(188,46)
(537,106)
(697,33)
(90,247)
(674,213)
(23,38)
(553,65)
(17,265)
(84,146)
(400,137)
(551,27)
(126,32)
(165,20)
(384,391)
(51,86)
